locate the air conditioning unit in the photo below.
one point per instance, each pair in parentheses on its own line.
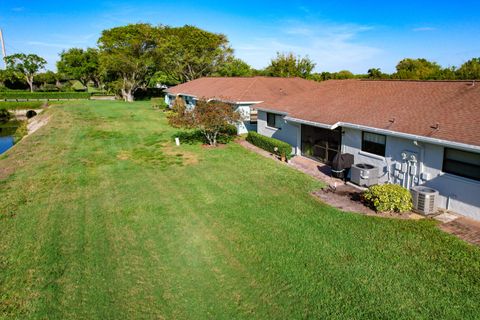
(364,174)
(424,200)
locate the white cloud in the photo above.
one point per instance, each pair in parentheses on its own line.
(333,47)
(424,29)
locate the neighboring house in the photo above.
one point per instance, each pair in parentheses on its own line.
(417,132)
(243,93)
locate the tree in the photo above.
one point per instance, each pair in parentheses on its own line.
(376,73)
(128,54)
(27,65)
(417,69)
(289,65)
(79,64)
(188,53)
(235,67)
(470,70)
(210,117)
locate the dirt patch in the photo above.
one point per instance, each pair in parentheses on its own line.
(123,155)
(218,146)
(347,198)
(188,158)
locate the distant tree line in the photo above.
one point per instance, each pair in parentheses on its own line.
(135,57)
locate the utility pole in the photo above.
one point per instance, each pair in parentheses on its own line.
(3,47)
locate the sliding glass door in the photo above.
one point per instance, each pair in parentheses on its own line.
(321,144)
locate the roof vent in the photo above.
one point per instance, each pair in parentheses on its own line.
(435,126)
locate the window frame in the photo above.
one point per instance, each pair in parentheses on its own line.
(363,148)
(275,125)
(446,160)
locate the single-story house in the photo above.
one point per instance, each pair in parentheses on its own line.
(417,132)
(243,93)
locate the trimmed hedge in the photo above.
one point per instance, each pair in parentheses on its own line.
(269,144)
(12,105)
(388,198)
(25,95)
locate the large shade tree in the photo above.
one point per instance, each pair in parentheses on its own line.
(188,53)
(80,64)
(128,54)
(290,65)
(26,65)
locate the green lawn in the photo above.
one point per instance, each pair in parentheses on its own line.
(104,218)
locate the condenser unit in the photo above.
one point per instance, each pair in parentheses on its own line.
(364,174)
(424,200)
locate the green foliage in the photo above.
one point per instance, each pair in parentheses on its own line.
(159,103)
(388,197)
(417,69)
(43,95)
(470,70)
(5,115)
(289,65)
(12,105)
(26,65)
(163,78)
(270,144)
(234,67)
(80,64)
(127,54)
(187,53)
(225,135)
(210,117)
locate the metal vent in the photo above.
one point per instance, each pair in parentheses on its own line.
(424,200)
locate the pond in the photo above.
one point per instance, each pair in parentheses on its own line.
(7,131)
(6,143)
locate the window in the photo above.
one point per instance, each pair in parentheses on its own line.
(461,163)
(271,120)
(374,143)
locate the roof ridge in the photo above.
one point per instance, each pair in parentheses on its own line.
(248,87)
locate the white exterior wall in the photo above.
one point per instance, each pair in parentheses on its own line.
(245,125)
(287,131)
(462,195)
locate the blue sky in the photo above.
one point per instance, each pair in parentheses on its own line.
(337,35)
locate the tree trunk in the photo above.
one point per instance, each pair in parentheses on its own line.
(127,95)
(30,83)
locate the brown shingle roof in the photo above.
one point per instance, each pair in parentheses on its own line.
(238,89)
(413,106)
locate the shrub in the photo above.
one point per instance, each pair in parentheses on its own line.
(225,135)
(159,103)
(388,197)
(24,95)
(270,144)
(4,115)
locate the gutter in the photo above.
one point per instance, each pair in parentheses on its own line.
(447,143)
(274,111)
